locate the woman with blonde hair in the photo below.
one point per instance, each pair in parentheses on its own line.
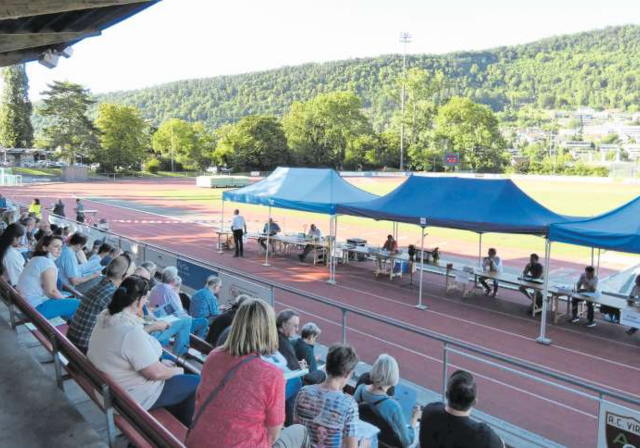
(240,400)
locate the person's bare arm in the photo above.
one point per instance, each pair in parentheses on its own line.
(75,281)
(274,433)
(159,371)
(50,284)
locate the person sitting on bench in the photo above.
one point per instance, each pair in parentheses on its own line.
(588,282)
(491,263)
(532,271)
(314,234)
(270,228)
(120,347)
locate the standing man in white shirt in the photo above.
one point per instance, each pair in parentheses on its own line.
(239,228)
(493,264)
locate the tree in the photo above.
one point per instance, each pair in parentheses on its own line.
(71,130)
(319,131)
(188,144)
(471,130)
(257,142)
(123,137)
(16,130)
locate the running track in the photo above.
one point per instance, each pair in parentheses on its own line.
(603,356)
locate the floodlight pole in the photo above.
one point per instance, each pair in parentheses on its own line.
(405,38)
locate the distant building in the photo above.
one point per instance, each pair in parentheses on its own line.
(577,145)
(17,156)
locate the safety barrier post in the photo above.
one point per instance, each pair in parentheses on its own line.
(272,296)
(55,352)
(108,412)
(445,358)
(344,326)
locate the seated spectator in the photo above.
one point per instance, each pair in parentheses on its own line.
(288,323)
(634,299)
(179,328)
(151,267)
(97,299)
(315,234)
(58,208)
(38,281)
(12,260)
(69,268)
(304,347)
(204,303)
(243,393)
(533,271)
(106,252)
(384,375)
(27,240)
(3,203)
(121,348)
(92,262)
(492,264)
(165,300)
(330,415)
(588,282)
(223,321)
(36,208)
(44,228)
(270,228)
(97,262)
(450,425)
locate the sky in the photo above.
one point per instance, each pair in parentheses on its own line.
(184,39)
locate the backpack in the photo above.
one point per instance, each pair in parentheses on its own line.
(370,414)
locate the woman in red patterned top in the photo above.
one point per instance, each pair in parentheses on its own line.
(240,400)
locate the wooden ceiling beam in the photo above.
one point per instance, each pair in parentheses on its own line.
(20,41)
(15,9)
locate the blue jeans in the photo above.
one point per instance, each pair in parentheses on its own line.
(181,329)
(200,327)
(179,397)
(58,307)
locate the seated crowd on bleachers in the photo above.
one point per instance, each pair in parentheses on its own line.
(261,386)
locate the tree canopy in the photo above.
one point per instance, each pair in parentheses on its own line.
(123,138)
(16,130)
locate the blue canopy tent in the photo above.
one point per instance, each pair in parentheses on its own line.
(478,205)
(617,230)
(317,190)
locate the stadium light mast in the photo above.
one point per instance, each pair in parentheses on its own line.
(405,38)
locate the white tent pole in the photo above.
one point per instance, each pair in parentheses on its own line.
(220,251)
(420,306)
(266,257)
(542,339)
(331,249)
(479,250)
(598,266)
(335,246)
(592,250)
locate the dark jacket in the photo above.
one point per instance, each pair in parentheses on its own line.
(285,347)
(218,326)
(305,351)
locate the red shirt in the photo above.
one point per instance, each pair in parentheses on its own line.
(238,417)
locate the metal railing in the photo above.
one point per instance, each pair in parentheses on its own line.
(471,351)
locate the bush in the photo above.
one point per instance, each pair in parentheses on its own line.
(152,165)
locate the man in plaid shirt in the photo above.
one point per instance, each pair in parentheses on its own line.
(97,298)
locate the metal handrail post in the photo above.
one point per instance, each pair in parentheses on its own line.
(445,360)
(344,326)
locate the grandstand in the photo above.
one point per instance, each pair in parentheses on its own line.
(520,380)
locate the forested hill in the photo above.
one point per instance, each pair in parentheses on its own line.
(598,68)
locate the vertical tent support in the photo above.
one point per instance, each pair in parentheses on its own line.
(220,251)
(598,265)
(266,257)
(332,242)
(592,256)
(542,339)
(420,306)
(479,250)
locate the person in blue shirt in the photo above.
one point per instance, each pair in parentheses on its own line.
(69,271)
(204,303)
(270,228)
(385,374)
